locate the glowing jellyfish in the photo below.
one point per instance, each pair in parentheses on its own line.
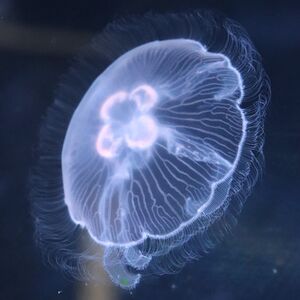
(166,137)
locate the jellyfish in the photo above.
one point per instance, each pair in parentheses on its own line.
(154,137)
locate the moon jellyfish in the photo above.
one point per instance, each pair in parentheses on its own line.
(152,144)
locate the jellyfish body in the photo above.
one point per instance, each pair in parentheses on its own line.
(162,140)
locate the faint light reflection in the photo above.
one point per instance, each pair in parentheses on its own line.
(104,290)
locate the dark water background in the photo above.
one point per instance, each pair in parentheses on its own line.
(260,259)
